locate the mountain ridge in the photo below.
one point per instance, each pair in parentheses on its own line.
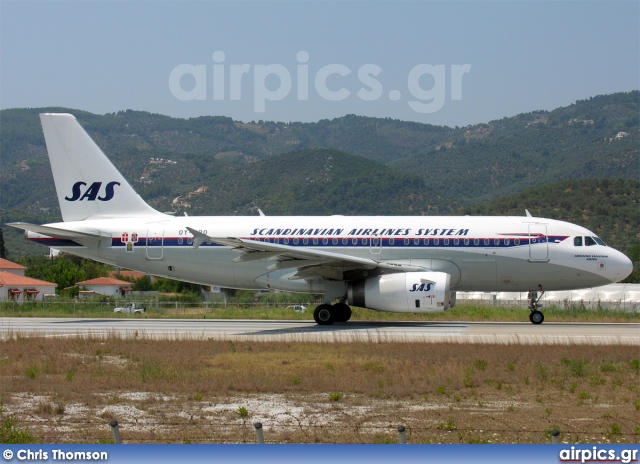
(380,166)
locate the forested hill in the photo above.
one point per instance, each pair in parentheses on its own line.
(139,132)
(311,182)
(599,137)
(608,207)
(385,140)
(378,166)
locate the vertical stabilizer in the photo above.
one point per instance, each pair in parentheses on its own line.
(88,184)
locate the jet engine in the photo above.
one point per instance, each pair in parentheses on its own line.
(409,292)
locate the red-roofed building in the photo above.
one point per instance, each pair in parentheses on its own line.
(134,275)
(108,286)
(20,288)
(13,268)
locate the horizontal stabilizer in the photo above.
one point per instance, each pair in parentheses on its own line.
(64,234)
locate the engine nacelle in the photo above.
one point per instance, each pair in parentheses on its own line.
(409,292)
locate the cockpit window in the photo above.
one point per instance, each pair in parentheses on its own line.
(577,241)
(588,241)
(599,241)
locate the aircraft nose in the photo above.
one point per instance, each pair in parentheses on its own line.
(621,267)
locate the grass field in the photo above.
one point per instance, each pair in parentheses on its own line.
(463,312)
(205,391)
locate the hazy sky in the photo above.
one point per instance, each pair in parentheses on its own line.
(452,63)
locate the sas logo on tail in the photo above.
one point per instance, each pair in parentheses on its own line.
(92,192)
(422,287)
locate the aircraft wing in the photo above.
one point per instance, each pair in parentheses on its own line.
(307,261)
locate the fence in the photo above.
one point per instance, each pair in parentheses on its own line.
(193,431)
(152,306)
(621,297)
(565,303)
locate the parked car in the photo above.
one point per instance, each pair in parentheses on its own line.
(131,308)
(297,308)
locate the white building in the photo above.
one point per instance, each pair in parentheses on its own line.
(16,287)
(107,286)
(13,268)
(618,296)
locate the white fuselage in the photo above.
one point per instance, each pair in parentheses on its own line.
(480,253)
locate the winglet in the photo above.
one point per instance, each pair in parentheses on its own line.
(261,213)
(528,213)
(198,237)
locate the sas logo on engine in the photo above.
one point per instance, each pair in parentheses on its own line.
(422,287)
(91,193)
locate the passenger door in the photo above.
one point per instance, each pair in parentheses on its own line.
(538,242)
(155,243)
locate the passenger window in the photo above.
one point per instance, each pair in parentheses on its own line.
(577,241)
(588,241)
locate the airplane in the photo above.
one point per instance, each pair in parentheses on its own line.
(411,264)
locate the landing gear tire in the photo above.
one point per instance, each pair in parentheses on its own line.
(342,312)
(536,317)
(324,314)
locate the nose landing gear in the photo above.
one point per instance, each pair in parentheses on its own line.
(536,316)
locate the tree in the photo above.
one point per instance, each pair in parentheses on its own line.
(65,273)
(37,266)
(634,255)
(3,248)
(143,284)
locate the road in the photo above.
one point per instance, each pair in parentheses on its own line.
(303,331)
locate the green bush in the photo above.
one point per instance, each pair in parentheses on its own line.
(10,434)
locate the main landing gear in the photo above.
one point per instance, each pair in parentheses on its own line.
(327,314)
(536,316)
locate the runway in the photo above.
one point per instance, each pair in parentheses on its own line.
(307,331)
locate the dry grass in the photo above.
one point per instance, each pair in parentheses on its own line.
(66,390)
(462,312)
